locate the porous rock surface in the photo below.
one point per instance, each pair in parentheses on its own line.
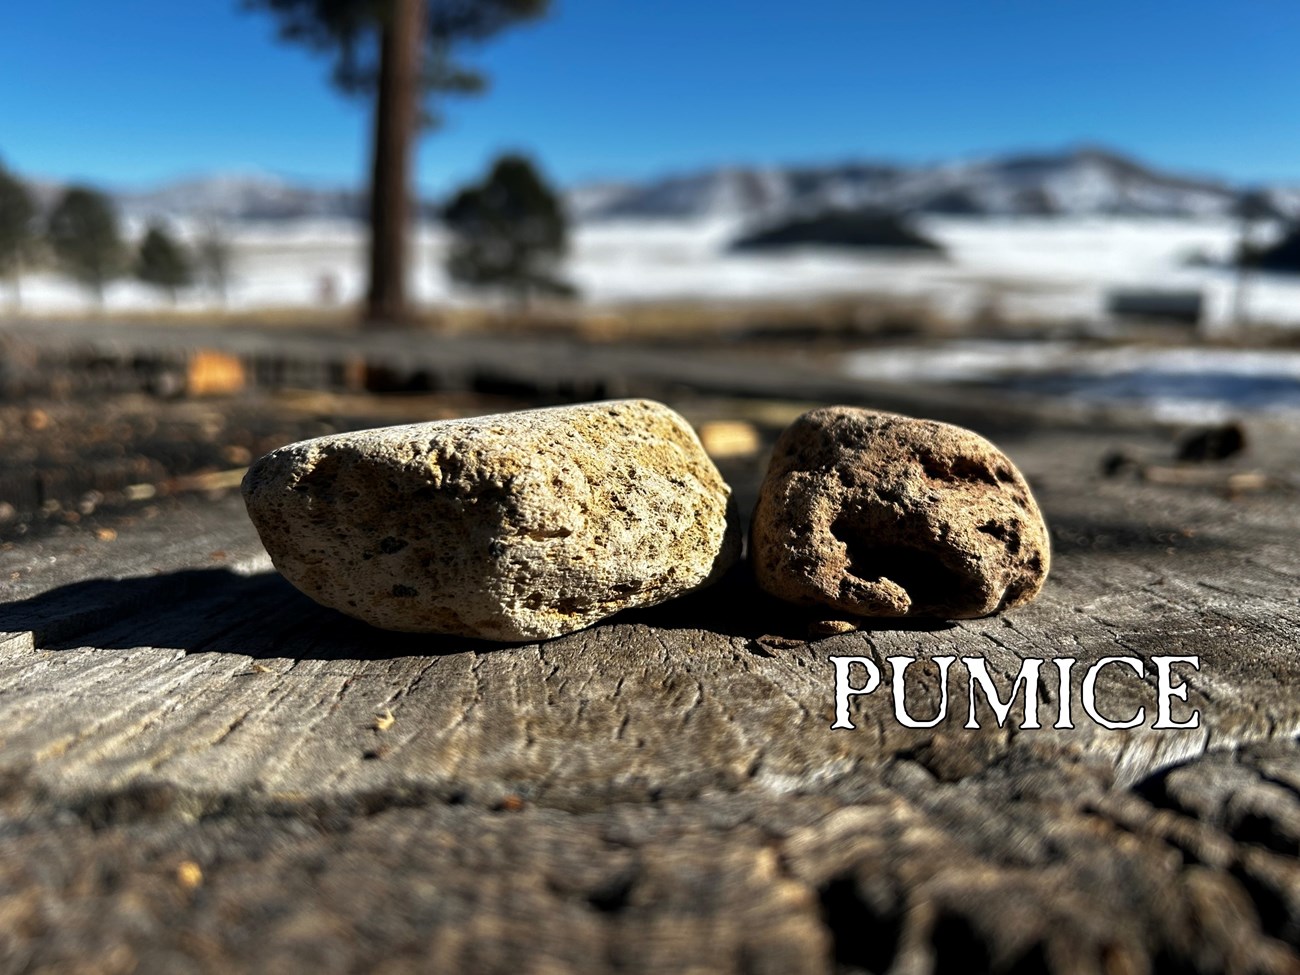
(876,514)
(512,527)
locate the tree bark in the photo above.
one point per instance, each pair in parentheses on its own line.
(401,44)
(1240,308)
(16,287)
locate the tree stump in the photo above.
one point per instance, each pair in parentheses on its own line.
(204,771)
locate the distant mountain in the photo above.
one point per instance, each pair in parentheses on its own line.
(715,193)
(240,197)
(1073,182)
(249,197)
(1284,201)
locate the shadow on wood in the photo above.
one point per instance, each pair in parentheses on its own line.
(212,611)
(263,616)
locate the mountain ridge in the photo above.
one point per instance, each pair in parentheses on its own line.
(1077,181)
(1073,182)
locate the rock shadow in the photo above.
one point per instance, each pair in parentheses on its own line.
(262,616)
(735,606)
(211,611)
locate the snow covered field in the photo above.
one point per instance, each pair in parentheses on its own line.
(1188,385)
(1029,269)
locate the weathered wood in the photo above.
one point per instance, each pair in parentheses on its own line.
(661,792)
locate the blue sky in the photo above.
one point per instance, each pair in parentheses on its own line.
(131,92)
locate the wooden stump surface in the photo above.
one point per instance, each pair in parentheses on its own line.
(198,771)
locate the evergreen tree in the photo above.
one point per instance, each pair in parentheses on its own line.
(1283,256)
(509,233)
(16,214)
(1252,207)
(163,262)
(395,50)
(83,233)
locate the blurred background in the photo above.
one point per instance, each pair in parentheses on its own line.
(1091,205)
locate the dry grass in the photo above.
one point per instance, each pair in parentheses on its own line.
(832,317)
(842,317)
(849,319)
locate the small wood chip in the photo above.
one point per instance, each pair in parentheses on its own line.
(189,875)
(729,438)
(1248,481)
(384,721)
(105,534)
(207,481)
(831,627)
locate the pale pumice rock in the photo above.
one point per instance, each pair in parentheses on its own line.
(876,514)
(513,527)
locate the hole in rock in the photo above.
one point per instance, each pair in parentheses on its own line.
(545,534)
(863,936)
(959,946)
(613,896)
(321,481)
(933,587)
(957,469)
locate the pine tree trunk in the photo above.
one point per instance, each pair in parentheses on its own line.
(401,45)
(1245,257)
(16,288)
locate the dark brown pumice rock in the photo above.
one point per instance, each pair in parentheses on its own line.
(877,514)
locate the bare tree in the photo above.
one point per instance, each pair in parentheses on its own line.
(17,211)
(1252,207)
(212,258)
(396,51)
